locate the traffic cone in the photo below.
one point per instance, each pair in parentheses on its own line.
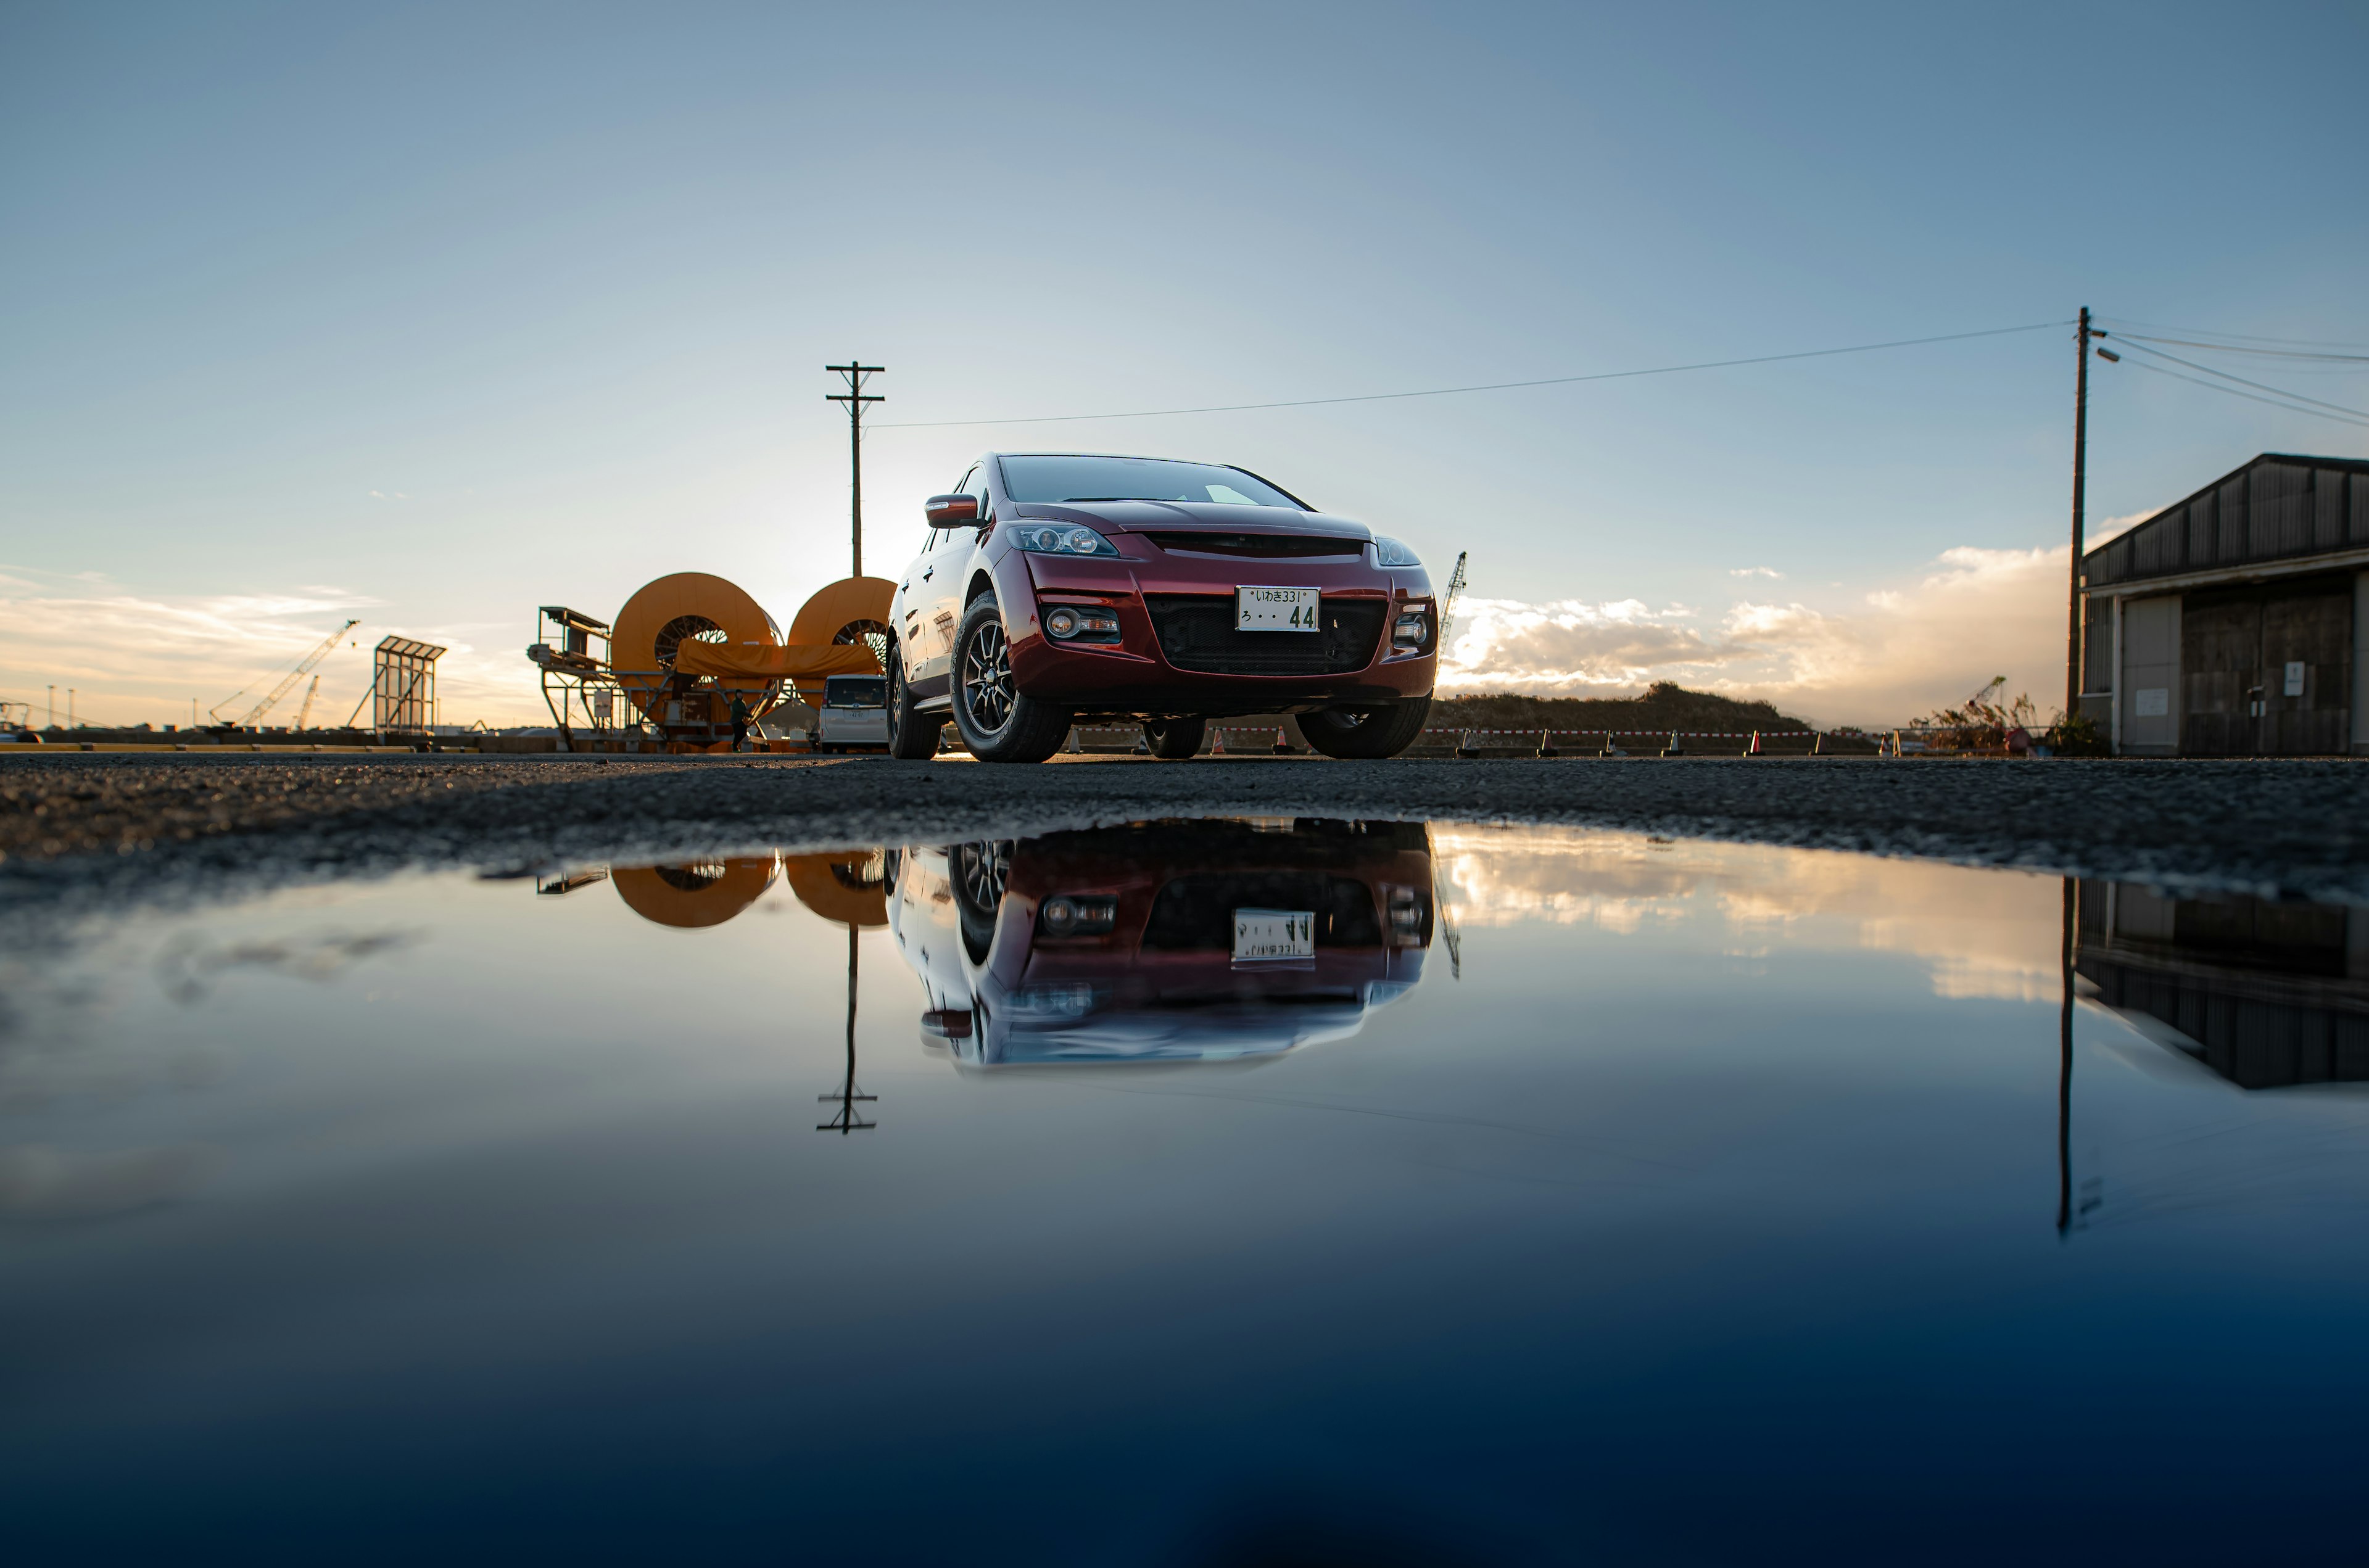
(1217,748)
(1074,749)
(1282,746)
(1674,748)
(1818,744)
(1547,745)
(1466,746)
(1754,749)
(1611,746)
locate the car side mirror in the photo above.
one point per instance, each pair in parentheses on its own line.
(952,511)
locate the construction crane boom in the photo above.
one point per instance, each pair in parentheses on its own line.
(304,714)
(303,667)
(1447,601)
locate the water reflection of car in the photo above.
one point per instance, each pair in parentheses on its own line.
(854,713)
(1162,941)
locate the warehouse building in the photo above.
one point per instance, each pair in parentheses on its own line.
(2236,623)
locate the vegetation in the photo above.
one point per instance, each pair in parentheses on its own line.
(1664,704)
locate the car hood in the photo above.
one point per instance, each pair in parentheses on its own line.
(1144,516)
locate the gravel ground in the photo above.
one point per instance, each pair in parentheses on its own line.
(87,829)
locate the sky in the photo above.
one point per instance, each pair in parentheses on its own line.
(427,315)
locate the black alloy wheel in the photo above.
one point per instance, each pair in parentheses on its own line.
(1174,739)
(998,722)
(1366,733)
(980,871)
(912,734)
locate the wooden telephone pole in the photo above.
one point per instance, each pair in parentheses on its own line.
(2080,477)
(855,399)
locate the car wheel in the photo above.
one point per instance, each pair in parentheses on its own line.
(1173,739)
(997,724)
(1363,733)
(980,871)
(912,734)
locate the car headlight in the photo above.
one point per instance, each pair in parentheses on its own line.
(1060,539)
(1391,552)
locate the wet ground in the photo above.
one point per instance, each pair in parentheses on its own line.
(1274,1188)
(94,825)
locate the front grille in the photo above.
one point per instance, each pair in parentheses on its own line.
(1262,545)
(1197,632)
(1196,913)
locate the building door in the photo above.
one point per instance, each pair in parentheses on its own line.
(2308,674)
(2268,670)
(2220,649)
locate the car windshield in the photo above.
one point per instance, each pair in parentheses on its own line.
(1053,479)
(856,692)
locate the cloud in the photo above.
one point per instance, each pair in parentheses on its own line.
(1754,572)
(390,495)
(1901,650)
(133,657)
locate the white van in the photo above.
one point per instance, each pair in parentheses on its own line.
(854,713)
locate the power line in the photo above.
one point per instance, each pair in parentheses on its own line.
(2258,386)
(1490,386)
(2216,386)
(2232,349)
(2235,337)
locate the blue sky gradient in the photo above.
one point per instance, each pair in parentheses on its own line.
(446,312)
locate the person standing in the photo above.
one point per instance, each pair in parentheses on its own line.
(739,721)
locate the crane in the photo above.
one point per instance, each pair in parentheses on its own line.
(303,667)
(304,714)
(1448,600)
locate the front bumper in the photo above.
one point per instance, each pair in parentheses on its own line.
(1176,652)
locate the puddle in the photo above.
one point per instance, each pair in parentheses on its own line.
(1182,1192)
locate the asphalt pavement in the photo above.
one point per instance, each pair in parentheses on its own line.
(78,828)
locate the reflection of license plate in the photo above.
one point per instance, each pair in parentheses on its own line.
(1276,609)
(1264,934)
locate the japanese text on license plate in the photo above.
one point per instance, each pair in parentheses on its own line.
(1264,935)
(1277,609)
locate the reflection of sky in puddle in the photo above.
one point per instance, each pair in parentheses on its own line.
(1571,1194)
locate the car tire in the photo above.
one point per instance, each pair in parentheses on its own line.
(912,734)
(1174,739)
(997,724)
(1366,733)
(980,871)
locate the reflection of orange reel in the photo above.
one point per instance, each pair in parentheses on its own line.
(845,887)
(662,617)
(706,893)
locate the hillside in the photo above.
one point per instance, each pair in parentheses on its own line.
(1664,705)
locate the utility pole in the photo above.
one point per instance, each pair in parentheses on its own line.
(849,1096)
(2080,478)
(856,372)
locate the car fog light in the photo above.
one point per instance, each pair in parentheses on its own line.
(1062,624)
(1064,914)
(1410,630)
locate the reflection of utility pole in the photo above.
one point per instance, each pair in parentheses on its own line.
(2064,1074)
(856,371)
(845,1120)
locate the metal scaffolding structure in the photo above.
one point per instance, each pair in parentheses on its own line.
(576,673)
(403,686)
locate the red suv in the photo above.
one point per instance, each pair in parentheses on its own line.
(1056,588)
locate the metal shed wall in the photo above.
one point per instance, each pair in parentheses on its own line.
(2275,508)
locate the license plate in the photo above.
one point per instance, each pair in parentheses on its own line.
(1264,935)
(1276,609)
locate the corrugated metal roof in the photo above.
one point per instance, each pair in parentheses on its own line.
(2277,508)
